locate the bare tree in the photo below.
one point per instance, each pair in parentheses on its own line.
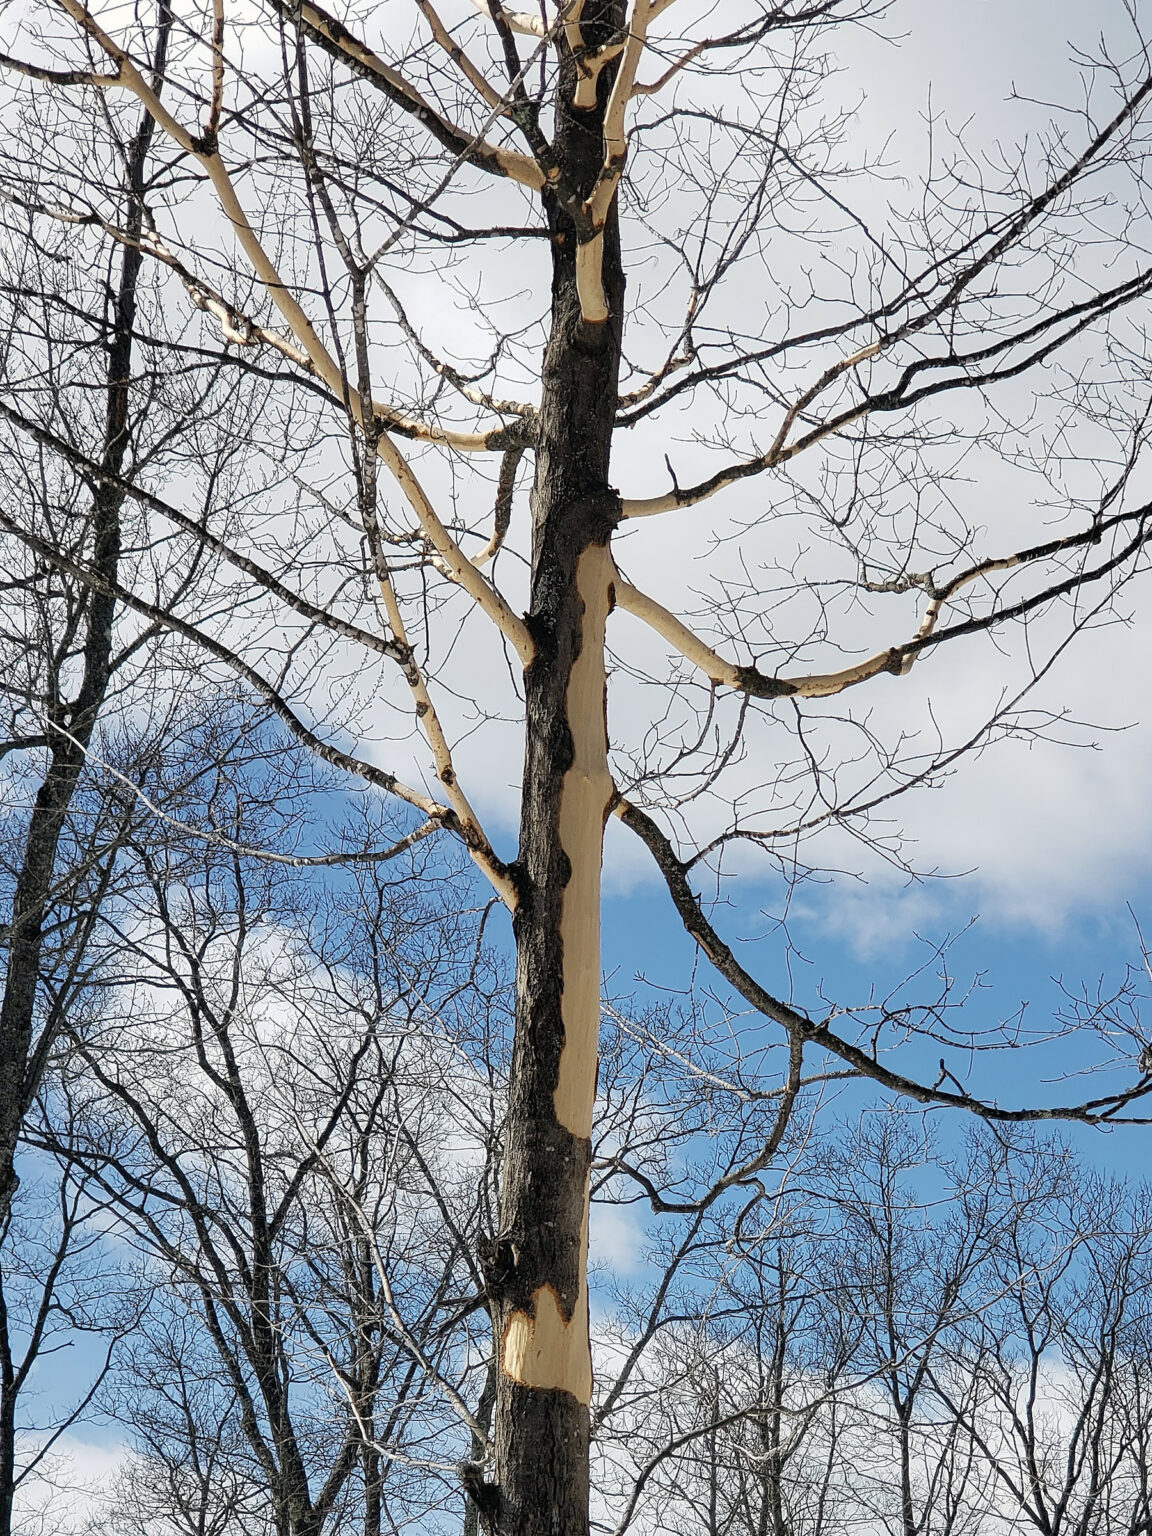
(977,1362)
(269,1109)
(1058,1417)
(849,1351)
(64,650)
(315,178)
(908,1278)
(84,350)
(62,1294)
(735,1424)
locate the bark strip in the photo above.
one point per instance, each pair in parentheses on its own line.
(537,1265)
(585,796)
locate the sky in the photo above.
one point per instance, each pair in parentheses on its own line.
(1054,842)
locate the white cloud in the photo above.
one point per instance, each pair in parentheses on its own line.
(615,1238)
(75,1479)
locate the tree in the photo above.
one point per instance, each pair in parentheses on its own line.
(66,624)
(998,1385)
(262,1108)
(59,1289)
(317,167)
(65,670)
(1057,1412)
(84,329)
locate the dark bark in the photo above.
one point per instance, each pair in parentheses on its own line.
(542,1433)
(8,1396)
(479,1503)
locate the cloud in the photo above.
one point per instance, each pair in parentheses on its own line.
(73,1482)
(615,1238)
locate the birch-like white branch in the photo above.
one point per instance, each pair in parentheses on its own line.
(338,39)
(729,674)
(456,563)
(899,659)
(474,76)
(518,21)
(590,250)
(779,453)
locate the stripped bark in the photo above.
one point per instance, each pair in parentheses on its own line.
(875,363)
(536,1266)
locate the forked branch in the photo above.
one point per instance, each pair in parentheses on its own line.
(456,563)
(335,39)
(1108,1109)
(898,659)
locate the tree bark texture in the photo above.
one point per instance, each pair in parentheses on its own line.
(537,1266)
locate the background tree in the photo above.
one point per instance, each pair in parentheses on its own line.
(72,678)
(62,1295)
(988,1388)
(315,176)
(268,1109)
(63,650)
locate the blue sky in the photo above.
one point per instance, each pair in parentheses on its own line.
(1056,843)
(1017,962)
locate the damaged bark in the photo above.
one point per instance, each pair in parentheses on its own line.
(537,1264)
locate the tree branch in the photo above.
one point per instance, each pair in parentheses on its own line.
(1102,1111)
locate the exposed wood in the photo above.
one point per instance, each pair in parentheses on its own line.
(536,1269)
(335,37)
(589,279)
(535,1263)
(749,679)
(591,66)
(164,619)
(205,150)
(585,795)
(543,1348)
(518,21)
(590,253)
(483,87)
(456,562)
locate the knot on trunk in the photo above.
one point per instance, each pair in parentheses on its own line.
(497,1257)
(484,1495)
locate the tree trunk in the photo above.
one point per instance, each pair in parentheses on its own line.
(7,1417)
(537,1267)
(69,724)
